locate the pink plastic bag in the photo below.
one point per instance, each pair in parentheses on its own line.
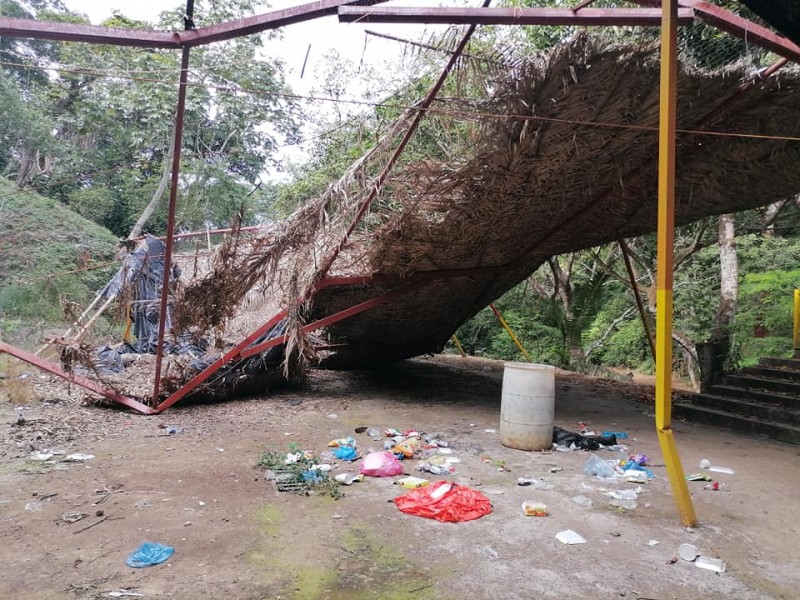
(380,464)
(445,501)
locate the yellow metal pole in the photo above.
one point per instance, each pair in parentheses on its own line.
(458,345)
(666,225)
(510,333)
(796,327)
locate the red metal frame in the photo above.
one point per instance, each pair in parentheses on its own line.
(88,384)
(510,16)
(578,15)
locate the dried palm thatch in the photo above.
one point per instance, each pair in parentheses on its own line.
(561,155)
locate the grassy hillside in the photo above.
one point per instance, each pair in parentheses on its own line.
(49,256)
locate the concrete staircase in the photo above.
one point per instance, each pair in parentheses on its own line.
(761,400)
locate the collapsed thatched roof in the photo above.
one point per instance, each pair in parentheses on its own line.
(537,182)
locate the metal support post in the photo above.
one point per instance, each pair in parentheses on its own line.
(666,239)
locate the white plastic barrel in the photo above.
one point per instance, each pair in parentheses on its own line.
(527,406)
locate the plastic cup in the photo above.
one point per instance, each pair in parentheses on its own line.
(688,552)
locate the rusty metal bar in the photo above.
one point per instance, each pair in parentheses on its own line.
(623,246)
(510,16)
(750,32)
(259,23)
(88,384)
(142,38)
(91,34)
(173,198)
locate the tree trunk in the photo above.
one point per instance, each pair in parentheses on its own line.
(729,276)
(153,204)
(715,354)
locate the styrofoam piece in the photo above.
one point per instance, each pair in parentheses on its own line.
(570,537)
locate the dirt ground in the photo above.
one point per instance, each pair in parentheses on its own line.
(235,537)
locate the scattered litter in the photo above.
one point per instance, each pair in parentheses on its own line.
(333,416)
(653,543)
(688,552)
(148,554)
(34,506)
(570,537)
(221,449)
(40,456)
(578,441)
(711,564)
(625,504)
(444,469)
(500,465)
(598,467)
(556,469)
(78,457)
(349,478)
(699,477)
(381,464)
(360,429)
(488,551)
(446,502)
(490,430)
(628,494)
(122,593)
(412,483)
(633,476)
(444,450)
(583,501)
(706,464)
(620,435)
(347,453)
(347,441)
(716,486)
(143,503)
(172,429)
(73,517)
(639,459)
(534,509)
(537,484)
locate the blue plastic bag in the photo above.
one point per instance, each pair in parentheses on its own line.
(345,453)
(149,554)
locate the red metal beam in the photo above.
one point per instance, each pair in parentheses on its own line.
(173,200)
(259,23)
(88,384)
(230,355)
(735,25)
(142,38)
(510,16)
(91,34)
(337,316)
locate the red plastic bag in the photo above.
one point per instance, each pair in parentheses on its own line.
(380,464)
(446,502)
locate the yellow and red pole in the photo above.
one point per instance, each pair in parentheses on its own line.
(666,235)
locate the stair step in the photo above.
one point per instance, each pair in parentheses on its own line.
(720,418)
(780,363)
(759,410)
(772,373)
(761,383)
(733,391)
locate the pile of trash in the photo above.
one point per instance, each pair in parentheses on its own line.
(300,471)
